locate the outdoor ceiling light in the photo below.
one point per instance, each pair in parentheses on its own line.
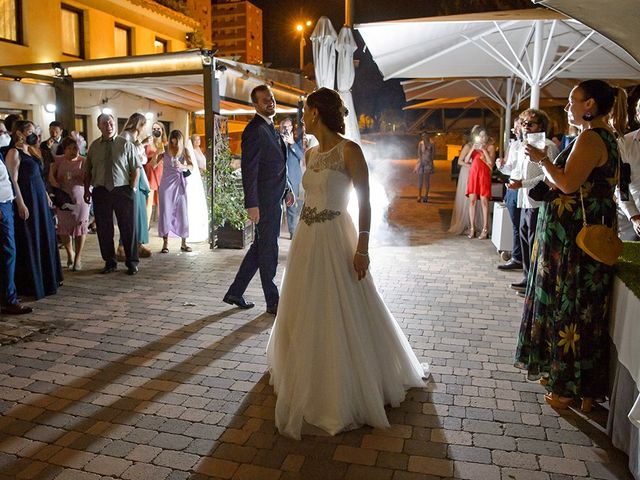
(50,107)
(206,56)
(107,111)
(58,71)
(148,115)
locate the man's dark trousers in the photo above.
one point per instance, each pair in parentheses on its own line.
(121,201)
(8,294)
(511,202)
(263,256)
(528,223)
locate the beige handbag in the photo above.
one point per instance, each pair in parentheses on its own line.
(599,241)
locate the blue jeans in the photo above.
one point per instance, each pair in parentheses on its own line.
(8,294)
(293,215)
(511,202)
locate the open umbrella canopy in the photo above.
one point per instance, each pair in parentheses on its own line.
(493,89)
(456,102)
(535,45)
(617,20)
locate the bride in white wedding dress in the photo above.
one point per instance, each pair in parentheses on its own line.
(336,355)
(197,211)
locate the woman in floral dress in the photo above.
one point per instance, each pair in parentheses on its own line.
(563,338)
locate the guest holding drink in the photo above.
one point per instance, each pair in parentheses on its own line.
(564,334)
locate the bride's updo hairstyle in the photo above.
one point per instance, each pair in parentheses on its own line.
(330,107)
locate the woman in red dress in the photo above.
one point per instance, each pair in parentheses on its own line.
(481,156)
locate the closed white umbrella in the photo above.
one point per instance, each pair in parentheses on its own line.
(324,38)
(345,46)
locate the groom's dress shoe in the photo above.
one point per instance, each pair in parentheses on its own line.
(239,302)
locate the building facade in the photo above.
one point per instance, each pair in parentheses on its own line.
(236,30)
(42,31)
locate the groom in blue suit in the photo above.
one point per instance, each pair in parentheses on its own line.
(264,180)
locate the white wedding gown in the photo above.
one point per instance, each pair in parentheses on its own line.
(336,355)
(460,216)
(197,211)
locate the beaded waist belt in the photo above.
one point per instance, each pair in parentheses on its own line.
(311,215)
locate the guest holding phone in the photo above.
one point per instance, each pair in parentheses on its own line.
(481,156)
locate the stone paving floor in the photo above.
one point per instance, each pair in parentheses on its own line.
(153,377)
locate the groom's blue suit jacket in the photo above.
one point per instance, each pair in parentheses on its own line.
(264,167)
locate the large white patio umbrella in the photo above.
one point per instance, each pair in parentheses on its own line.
(323,39)
(617,20)
(345,46)
(536,46)
(505,94)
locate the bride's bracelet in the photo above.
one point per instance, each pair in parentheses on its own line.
(362,254)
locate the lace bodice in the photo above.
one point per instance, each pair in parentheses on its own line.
(327,185)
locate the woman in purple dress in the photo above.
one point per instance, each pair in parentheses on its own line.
(172,193)
(73,219)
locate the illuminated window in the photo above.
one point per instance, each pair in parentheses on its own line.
(122,41)
(72,32)
(11,20)
(160,45)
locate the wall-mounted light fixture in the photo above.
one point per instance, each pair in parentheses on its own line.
(50,107)
(58,71)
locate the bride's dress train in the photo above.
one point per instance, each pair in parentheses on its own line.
(336,354)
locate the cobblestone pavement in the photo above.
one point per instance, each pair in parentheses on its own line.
(153,377)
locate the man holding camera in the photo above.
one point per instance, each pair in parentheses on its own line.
(524,176)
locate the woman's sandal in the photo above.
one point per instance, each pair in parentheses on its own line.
(556,401)
(586,405)
(186,248)
(164,250)
(484,234)
(472,233)
(561,403)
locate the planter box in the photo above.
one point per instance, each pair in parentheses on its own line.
(229,237)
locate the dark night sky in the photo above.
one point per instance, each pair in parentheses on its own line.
(281,48)
(371,94)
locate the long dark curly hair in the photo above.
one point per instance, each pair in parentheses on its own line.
(330,107)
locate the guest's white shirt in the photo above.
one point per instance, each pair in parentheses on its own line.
(6,192)
(631,155)
(512,157)
(266,119)
(530,174)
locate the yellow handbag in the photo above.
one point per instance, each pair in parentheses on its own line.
(598,241)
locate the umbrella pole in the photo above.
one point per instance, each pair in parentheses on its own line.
(537,64)
(507,115)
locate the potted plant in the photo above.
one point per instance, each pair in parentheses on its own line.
(230,221)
